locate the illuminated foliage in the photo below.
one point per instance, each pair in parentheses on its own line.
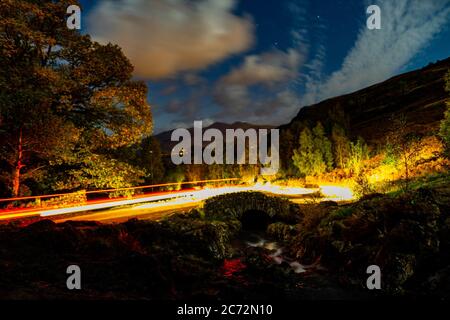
(406,146)
(341,146)
(100,172)
(359,152)
(314,154)
(323,144)
(362,186)
(64,100)
(444,132)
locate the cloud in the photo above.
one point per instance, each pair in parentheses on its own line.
(407,27)
(271,67)
(165,37)
(187,106)
(192,79)
(258,90)
(169,90)
(273,108)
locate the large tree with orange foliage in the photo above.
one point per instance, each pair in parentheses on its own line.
(66,102)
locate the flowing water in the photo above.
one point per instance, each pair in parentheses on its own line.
(275,252)
(270,248)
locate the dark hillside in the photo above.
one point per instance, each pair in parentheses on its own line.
(419,95)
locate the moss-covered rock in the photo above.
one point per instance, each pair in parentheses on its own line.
(281,231)
(401,234)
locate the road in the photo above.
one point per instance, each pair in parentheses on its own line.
(157,205)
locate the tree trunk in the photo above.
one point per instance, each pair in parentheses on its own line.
(19,166)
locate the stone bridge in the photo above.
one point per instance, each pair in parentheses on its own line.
(251,206)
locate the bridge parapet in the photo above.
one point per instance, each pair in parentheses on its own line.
(234,205)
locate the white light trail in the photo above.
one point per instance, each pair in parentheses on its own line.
(337,193)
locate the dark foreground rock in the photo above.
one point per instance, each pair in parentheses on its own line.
(185,256)
(206,254)
(407,236)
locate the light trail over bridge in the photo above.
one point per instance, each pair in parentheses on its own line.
(154,204)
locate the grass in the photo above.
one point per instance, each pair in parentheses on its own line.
(342,213)
(432,181)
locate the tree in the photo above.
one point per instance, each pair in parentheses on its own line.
(175,174)
(40,136)
(323,144)
(151,160)
(444,131)
(341,146)
(64,100)
(215,171)
(101,172)
(313,156)
(359,152)
(406,145)
(194,172)
(304,156)
(287,146)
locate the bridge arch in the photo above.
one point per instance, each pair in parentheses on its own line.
(255,220)
(240,205)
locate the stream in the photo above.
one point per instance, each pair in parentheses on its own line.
(275,252)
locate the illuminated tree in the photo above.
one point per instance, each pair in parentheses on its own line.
(405,145)
(314,155)
(304,156)
(444,131)
(359,152)
(194,172)
(64,99)
(341,146)
(323,144)
(100,172)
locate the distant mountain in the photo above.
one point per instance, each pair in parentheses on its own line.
(164,138)
(419,95)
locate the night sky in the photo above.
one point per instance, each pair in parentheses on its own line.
(260,61)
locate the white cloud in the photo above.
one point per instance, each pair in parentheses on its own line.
(407,27)
(165,37)
(271,67)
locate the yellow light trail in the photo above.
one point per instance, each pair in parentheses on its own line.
(179,199)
